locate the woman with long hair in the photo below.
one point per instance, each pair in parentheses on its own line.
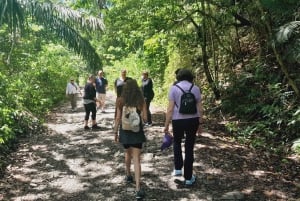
(132,141)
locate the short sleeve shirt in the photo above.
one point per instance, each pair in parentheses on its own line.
(101,84)
(175,95)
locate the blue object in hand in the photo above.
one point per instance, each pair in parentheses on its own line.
(167,141)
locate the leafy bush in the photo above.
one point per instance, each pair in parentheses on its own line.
(30,90)
(296,146)
(267,111)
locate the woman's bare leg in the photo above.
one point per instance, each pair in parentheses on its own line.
(136,154)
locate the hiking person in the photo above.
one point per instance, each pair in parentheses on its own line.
(89,102)
(118,84)
(147,89)
(187,123)
(101,85)
(72,90)
(120,81)
(132,141)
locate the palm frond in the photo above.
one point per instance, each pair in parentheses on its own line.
(62,21)
(292,53)
(75,41)
(71,17)
(11,14)
(287,31)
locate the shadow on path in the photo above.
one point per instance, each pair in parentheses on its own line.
(68,163)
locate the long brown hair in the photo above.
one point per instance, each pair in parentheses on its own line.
(132,95)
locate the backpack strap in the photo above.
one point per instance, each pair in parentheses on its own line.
(191,88)
(179,88)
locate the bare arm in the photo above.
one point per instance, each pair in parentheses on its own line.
(117,123)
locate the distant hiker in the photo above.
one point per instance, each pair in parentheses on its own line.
(118,84)
(101,85)
(132,141)
(89,102)
(182,123)
(147,89)
(72,90)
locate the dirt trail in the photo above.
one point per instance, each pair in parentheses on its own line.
(68,163)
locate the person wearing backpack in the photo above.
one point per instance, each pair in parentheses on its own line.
(185,112)
(132,139)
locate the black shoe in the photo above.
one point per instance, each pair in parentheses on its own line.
(140,194)
(86,128)
(96,127)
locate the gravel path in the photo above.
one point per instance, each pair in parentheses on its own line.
(68,163)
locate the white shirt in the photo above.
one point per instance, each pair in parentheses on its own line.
(72,88)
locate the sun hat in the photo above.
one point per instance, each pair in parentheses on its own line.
(167,141)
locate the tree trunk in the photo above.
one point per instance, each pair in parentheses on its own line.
(202,34)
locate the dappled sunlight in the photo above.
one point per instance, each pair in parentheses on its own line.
(69,184)
(68,163)
(259,173)
(208,135)
(41,196)
(276,193)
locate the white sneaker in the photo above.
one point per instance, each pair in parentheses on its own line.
(177,173)
(191,181)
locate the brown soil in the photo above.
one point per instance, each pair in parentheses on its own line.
(68,163)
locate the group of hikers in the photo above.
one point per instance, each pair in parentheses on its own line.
(184,112)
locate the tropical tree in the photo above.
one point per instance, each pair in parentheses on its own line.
(65,23)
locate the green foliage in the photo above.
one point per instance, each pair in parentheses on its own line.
(288,40)
(155,55)
(13,122)
(296,146)
(267,111)
(32,83)
(66,24)
(226,43)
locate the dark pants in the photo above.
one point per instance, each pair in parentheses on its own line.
(91,107)
(149,119)
(188,127)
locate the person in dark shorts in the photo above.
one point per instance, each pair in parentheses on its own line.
(147,89)
(132,142)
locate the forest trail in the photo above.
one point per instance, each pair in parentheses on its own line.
(67,163)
